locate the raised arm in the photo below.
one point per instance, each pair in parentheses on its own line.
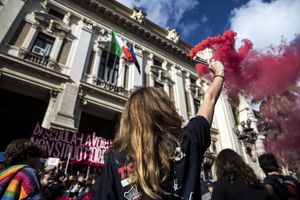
(213,92)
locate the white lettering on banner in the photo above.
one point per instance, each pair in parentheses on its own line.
(84,148)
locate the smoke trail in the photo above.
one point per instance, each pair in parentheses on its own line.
(252,72)
(270,77)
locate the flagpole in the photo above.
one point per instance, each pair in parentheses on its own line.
(88,172)
(67,165)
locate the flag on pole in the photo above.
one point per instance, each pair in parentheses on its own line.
(118,46)
(135,60)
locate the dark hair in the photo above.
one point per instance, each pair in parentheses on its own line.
(230,165)
(268,163)
(19,150)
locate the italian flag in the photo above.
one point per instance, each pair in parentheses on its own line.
(118,46)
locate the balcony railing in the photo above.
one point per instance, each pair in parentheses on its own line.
(42,61)
(111,87)
(36,59)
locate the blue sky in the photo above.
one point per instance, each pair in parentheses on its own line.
(264,22)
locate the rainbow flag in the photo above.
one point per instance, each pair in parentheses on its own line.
(19,182)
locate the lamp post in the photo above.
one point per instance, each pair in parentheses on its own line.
(248,136)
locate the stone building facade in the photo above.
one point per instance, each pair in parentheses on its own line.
(56,69)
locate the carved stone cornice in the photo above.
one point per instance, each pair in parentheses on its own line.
(138,49)
(138,15)
(173,35)
(87,25)
(121,15)
(54,93)
(51,23)
(196,90)
(159,74)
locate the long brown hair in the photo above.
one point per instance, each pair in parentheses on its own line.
(149,132)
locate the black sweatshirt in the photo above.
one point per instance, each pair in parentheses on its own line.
(184,178)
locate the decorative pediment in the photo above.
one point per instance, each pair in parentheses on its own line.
(51,22)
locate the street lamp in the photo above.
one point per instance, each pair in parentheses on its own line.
(248,136)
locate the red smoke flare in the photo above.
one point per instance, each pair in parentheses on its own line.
(265,76)
(252,72)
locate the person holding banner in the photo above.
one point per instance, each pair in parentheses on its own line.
(20,179)
(152,156)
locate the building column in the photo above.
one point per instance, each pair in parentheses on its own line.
(136,77)
(149,61)
(92,78)
(8,14)
(190,95)
(225,124)
(68,111)
(166,83)
(56,48)
(179,92)
(121,72)
(29,38)
(80,55)
(50,112)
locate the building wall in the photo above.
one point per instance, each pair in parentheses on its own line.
(73,74)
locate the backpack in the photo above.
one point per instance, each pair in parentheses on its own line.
(285,187)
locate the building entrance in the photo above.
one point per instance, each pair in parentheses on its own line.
(18,116)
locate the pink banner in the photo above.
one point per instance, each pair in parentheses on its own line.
(83,148)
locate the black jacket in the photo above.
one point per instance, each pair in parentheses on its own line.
(184,179)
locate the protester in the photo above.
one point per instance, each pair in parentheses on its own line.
(235,179)
(77,188)
(20,179)
(279,186)
(152,156)
(55,188)
(46,179)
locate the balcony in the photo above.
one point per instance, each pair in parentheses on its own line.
(42,61)
(39,60)
(111,86)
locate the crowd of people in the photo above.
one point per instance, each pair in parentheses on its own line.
(152,157)
(58,185)
(25,177)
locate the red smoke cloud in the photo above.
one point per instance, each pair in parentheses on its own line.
(265,76)
(252,72)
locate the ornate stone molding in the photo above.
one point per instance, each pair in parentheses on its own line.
(87,25)
(103,38)
(173,35)
(138,15)
(178,70)
(44,4)
(54,93)
(159,74)
(196,91)
(138,49)
(52,23)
